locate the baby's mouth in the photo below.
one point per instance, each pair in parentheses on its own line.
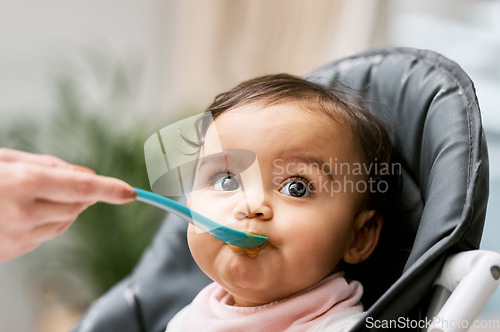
(253,252)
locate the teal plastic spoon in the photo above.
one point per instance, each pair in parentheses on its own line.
(223,233)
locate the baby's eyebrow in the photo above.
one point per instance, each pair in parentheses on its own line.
(204,160)
(235,160)
(313,161)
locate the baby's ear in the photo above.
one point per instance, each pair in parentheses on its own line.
(368,226)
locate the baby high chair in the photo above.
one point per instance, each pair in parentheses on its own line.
(432,113)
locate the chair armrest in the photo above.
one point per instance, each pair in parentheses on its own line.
(471,277)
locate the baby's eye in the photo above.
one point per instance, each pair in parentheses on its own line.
(226,183)
(296,188)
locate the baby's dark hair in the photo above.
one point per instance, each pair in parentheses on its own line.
(336,101)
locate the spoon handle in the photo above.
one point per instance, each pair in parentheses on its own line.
(223,233)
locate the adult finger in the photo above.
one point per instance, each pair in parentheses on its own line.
(68,186)
(30,240)
(18,243)
(43,211)
(7,253)
(49,230)
(10,155)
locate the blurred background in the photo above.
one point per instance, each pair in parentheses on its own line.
(89,81)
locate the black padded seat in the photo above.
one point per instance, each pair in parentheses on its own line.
(432,112)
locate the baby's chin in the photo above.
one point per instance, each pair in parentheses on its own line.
(246,294)
(249,296)
(249,278)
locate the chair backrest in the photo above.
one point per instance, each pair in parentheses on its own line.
(433,116)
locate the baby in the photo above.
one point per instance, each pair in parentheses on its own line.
(322,160)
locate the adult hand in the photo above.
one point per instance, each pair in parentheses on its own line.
(41,196)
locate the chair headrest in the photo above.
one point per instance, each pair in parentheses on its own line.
(433,118)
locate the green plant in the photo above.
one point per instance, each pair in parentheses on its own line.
(106,240)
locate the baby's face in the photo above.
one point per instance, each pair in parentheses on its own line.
(310,223)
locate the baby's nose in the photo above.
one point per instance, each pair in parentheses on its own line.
(244,210)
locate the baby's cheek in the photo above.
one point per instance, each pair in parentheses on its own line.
(202,245)
(196,237)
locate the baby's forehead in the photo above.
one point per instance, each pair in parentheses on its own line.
(287,125)
(327,112)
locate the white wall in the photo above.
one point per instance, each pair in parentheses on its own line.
(37,37)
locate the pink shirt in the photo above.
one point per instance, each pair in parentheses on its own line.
(303,311)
